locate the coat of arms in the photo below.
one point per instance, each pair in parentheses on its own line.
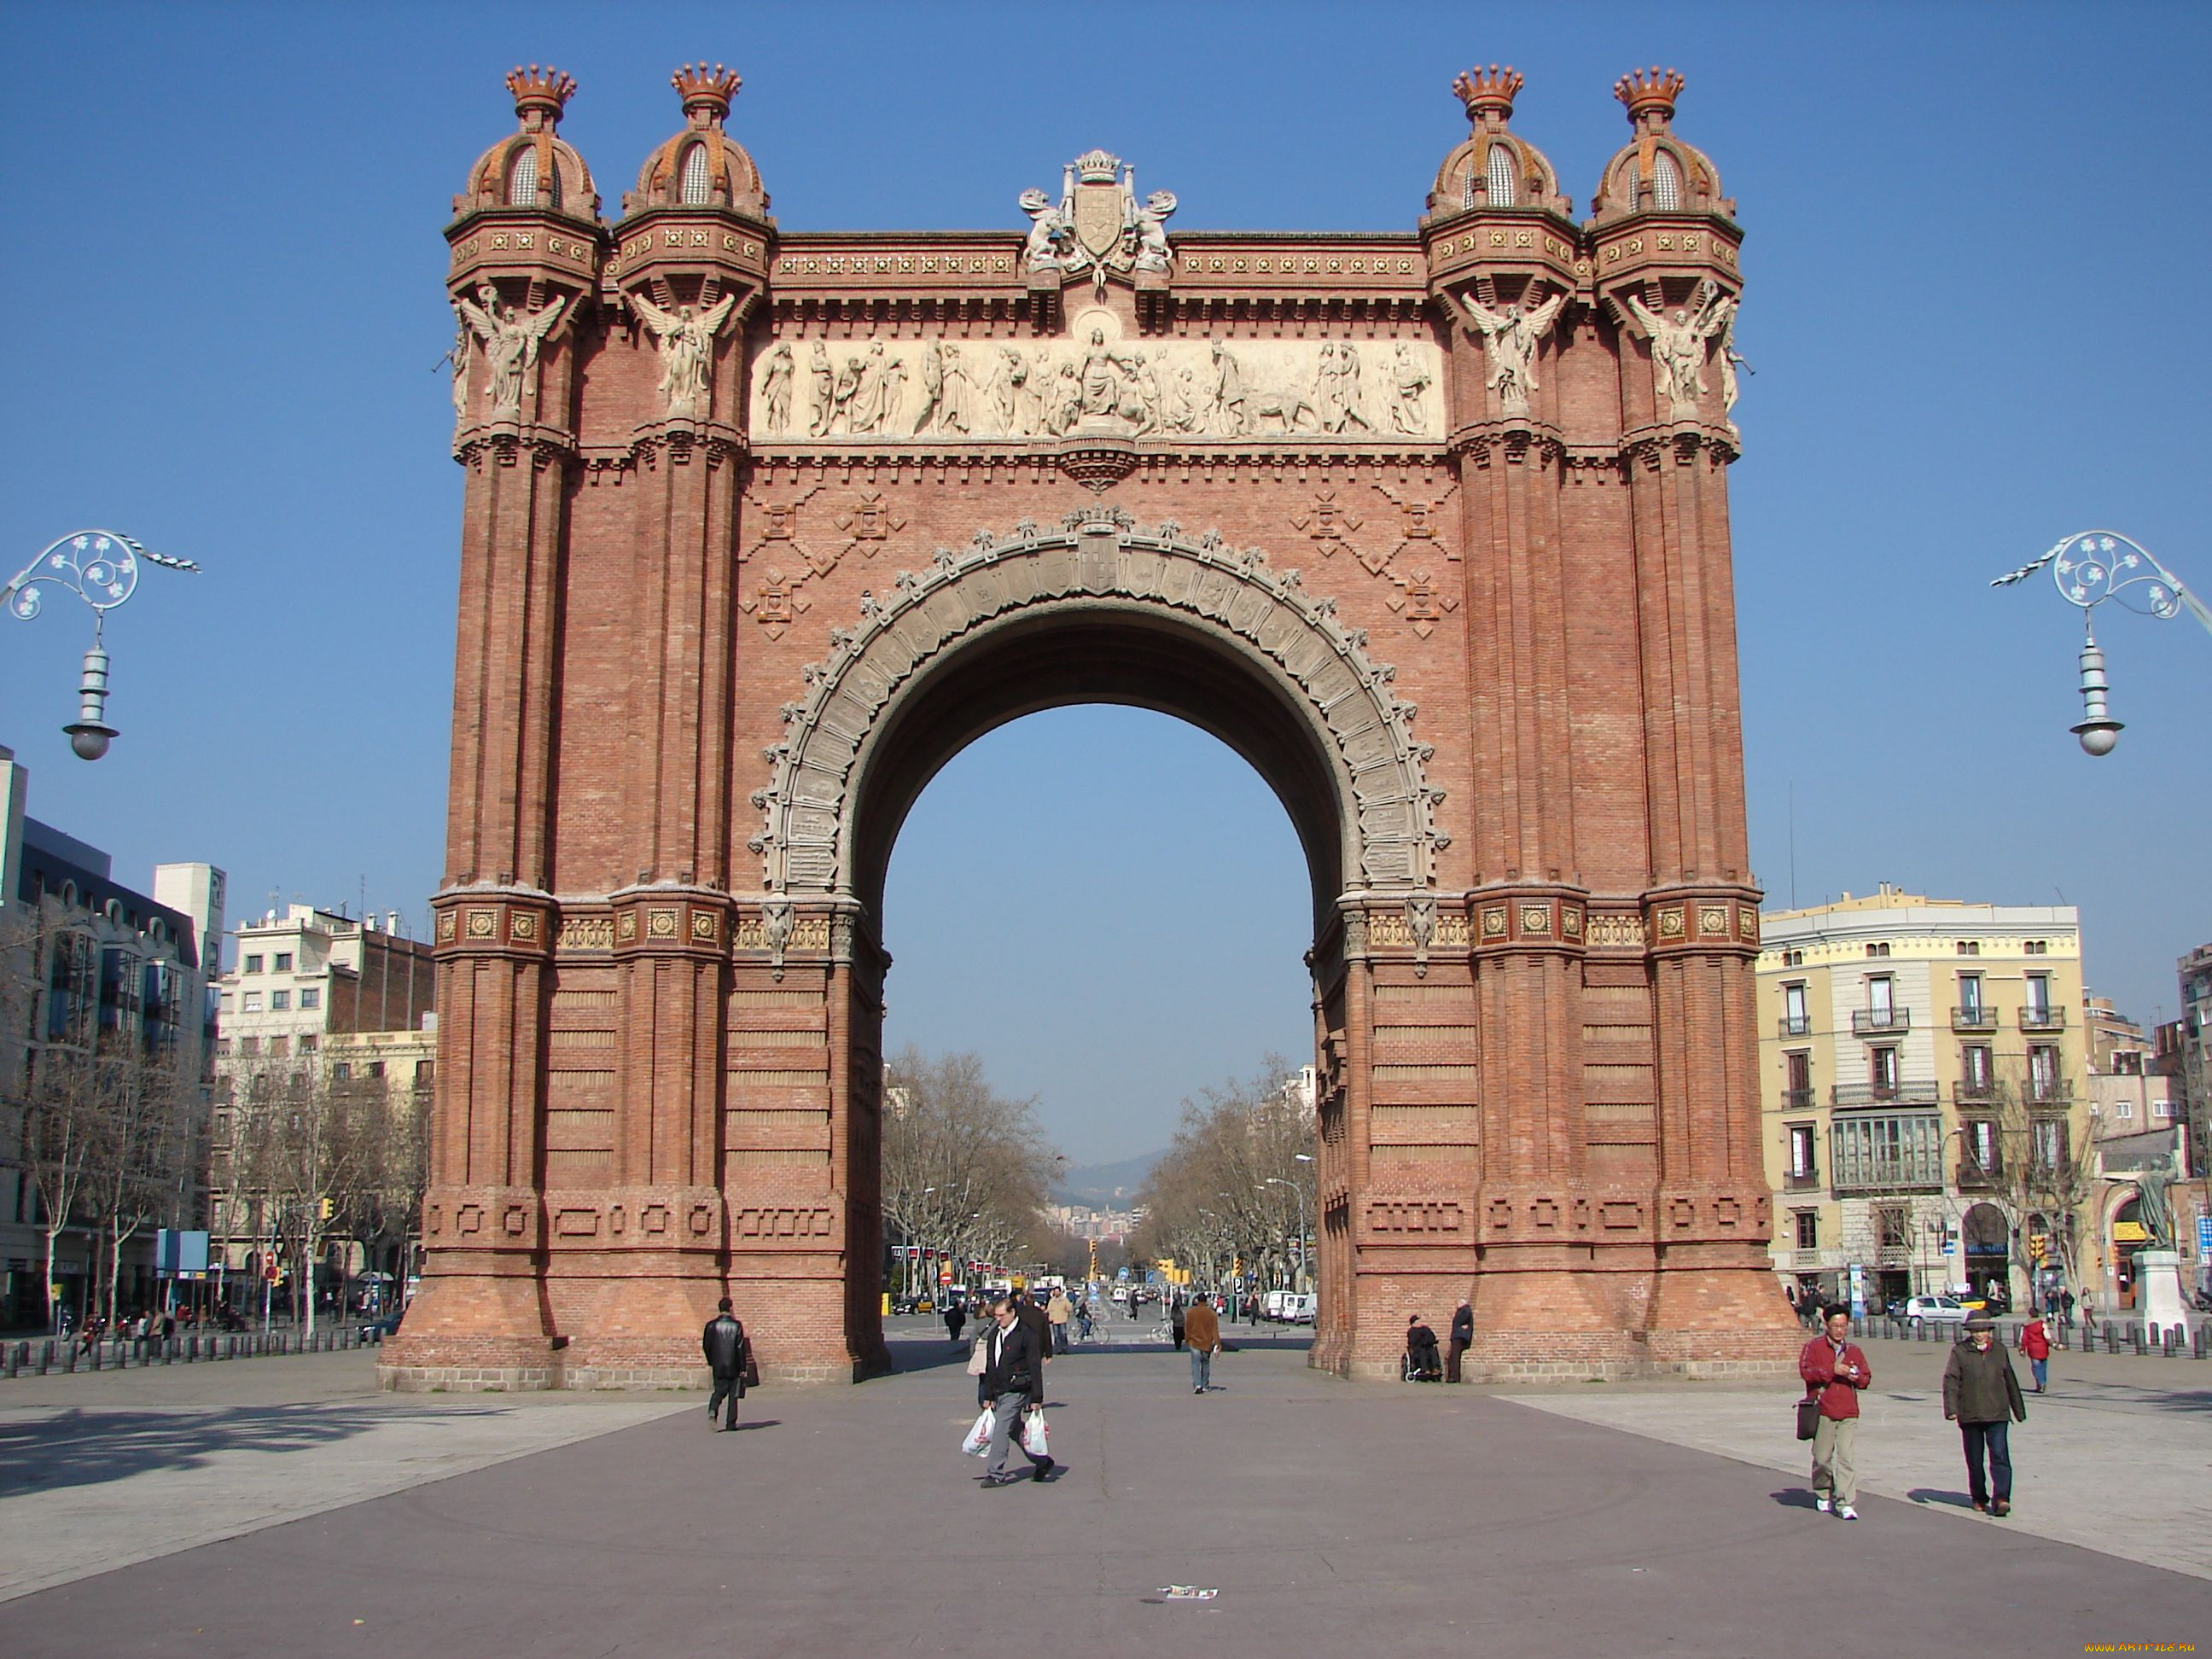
(1097,226)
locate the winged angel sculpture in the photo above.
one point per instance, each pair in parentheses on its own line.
(686,339)
(510,339)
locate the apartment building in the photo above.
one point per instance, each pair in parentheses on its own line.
(91,969)
(345,1004)
(1924,1100)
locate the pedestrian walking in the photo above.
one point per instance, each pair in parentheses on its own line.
(1201,1328)
(1175,1321)
(729,1353)
(1014,1378)
(1058,1313)
(956,1319)
(1462,1337)
(2035,1343)
(1982,1395)
(1835,1370)
(1034,1321)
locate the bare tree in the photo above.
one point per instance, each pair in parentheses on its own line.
(966,1170)
(143,1142)
(1236,1189)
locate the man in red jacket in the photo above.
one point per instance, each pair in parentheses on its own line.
(1835,1369)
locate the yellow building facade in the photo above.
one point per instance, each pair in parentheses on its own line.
(1925,1108)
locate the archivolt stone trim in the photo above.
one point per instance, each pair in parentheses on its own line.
(1099,553)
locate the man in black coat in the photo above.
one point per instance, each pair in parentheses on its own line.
(1040,1329)
(1462,1337)
(725,1345)
(1014,1369)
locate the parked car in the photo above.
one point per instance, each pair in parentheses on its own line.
(378,1329)
(1301,1308)
(1934,1310)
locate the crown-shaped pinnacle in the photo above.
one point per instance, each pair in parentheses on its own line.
(1649,92)
(1488,91)
(544,90)
(702,88)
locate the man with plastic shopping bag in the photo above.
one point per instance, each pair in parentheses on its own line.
(1011,1373)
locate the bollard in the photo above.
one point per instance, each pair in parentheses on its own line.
(45,1356)
(2201,1340)
(2136,1336)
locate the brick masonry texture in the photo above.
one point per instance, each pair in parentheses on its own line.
(660,1001)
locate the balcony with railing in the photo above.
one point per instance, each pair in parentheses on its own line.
(1794,1026)
(1879,1021)
(1976,1176)
(1975,1090)
(1978,1018)
(2050,1093)
(1799,1100)
(2051,1018)
(1809,1182)
(1917,1091)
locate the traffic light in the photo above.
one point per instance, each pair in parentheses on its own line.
(330,1208)
(2038,1246)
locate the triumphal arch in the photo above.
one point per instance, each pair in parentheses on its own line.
(761,529)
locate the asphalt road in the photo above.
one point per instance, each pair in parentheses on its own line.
(1333,1518)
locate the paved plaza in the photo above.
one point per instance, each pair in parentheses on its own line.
(285,1506)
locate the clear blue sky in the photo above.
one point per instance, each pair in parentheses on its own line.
(225,309)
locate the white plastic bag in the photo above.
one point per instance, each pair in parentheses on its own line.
(978,1443)
(1035,1439)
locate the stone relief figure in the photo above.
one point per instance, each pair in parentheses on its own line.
(1228,407)
(464,337)
(933,388)
(510,340)
(841,394)
(822,380)
(994,390)
(956,413)
(685,337)
(1408,380)
(1510,339)
(1678,349)
(1153,253)
(1102,376)
(1051,235)
(1336,388)
(1730,358)
(1003,390)
(775,389)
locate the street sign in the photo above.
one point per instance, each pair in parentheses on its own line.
(1950,1247)
(2204,1234)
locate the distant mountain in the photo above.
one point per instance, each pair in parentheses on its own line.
(1106,1185)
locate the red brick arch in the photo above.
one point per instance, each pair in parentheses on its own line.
(725,610)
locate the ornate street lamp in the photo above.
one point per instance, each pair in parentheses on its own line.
(2090,567)
(101,567)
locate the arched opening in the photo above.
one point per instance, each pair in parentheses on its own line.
(522,179)
(1503,177)
(1072,660)
(1666,184)
(695,183)
(1046,912)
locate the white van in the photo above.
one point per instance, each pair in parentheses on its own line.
(1300,1308)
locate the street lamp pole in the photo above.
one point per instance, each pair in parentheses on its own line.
(2090,567)
(100,567)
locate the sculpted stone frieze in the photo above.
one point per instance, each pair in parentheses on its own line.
(1098,554)
(1094,382)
